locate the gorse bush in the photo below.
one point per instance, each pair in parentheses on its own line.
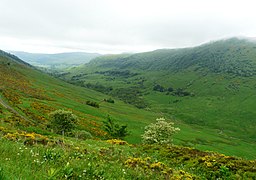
(159,132)
(62,121)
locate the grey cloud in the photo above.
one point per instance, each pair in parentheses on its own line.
(114,25)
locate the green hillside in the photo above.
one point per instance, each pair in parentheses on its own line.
(34,95)
(210,89)
(30,150)
(233,56)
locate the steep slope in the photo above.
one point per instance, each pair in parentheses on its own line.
(28,96)
(14,58)
(209,86)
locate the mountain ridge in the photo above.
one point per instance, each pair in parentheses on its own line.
(175,59)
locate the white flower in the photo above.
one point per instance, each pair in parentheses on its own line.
(159,132)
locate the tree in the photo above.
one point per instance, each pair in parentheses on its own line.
(158,88)
(115,130)
(170,89)
(159,132)
(62,121)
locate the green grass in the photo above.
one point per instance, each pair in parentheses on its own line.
(57,94)
(49,156)
(214,108)
(94,159)
(221,75)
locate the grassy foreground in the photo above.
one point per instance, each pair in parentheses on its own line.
(115,159)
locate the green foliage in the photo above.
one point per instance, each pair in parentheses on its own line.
(96,87)
(180,92)
(131,95)
(109,100)
(160,132)
(170,89)
(2,176)
(62,121)
(93,104)
(83,135)
(51,155)
(116,73)
(115,130)
(92,159)
(159,88)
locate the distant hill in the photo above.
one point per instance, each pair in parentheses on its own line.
(59,60)
(208,86)
(234,56)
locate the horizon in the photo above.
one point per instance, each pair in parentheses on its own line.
(126,52)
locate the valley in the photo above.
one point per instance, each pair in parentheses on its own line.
(213,107)
(207,87)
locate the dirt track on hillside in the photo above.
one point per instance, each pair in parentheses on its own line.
(5,105)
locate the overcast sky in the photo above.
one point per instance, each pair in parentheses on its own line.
(115,26)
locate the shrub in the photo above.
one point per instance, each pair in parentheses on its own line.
(83,135)
(115,130)
(117,141)
(159,88)
(62,121)
(93,104)
(109,100)
(180,92)
(170,89)
(159,132)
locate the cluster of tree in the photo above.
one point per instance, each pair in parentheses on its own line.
(116,73)
(98,87)
(130,95)
(160,88)
(92,103)
(78,76)
(109,100)
(175,92)
(180,92)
